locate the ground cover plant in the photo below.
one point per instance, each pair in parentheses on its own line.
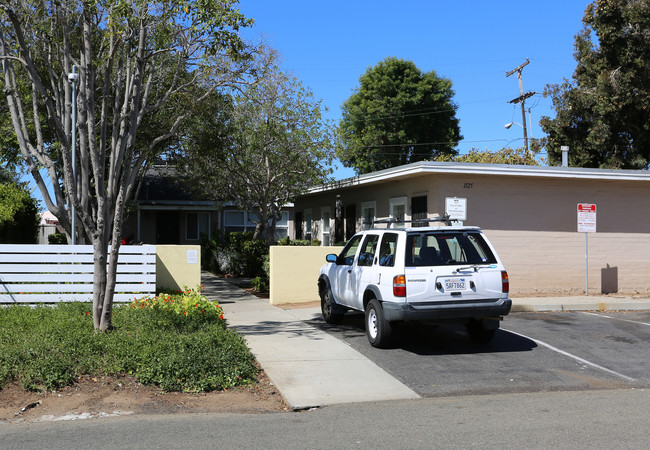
(178,342)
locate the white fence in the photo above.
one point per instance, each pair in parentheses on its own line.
(56,273)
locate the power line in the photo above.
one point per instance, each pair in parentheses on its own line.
(432,111)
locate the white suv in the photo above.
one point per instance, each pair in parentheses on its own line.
(437,274)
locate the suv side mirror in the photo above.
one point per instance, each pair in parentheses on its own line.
(331,258)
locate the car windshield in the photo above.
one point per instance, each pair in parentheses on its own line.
(447,248)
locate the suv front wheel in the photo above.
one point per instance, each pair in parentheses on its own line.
(378,329)
(332,313)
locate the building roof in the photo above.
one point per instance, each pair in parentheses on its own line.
(431,167)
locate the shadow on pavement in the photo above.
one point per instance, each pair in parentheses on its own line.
(287,329)
(425,339)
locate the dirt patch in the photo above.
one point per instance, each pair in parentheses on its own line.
(111,396)
(303,305)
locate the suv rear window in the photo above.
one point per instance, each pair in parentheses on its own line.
(447,248)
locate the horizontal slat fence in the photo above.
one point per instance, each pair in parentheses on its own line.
(62,273)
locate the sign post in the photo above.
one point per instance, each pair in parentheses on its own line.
(586,225)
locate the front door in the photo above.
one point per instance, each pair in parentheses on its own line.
(419,210)
(167,227)
(343,274)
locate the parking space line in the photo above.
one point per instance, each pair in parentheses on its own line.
(615,318)
(577,358)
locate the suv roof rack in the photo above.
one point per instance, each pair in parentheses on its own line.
(391,220)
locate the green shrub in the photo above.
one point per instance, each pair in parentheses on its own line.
(238,254)
(260,284)
(297,242)
(57,239)
(209,247)
(177,342)
(252,254)
(267,266)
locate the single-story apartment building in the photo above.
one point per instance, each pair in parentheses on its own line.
(528,212)
(165,212)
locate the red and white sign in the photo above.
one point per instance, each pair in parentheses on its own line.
(586,218)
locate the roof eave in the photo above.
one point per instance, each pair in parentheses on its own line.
(425,167)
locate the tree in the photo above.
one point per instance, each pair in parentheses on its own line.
(398,115)
(270,147)
(603,114)
(141,64)
(511,156)
(19,218)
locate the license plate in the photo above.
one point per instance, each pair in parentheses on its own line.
(455,284)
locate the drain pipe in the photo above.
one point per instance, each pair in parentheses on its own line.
(565,155)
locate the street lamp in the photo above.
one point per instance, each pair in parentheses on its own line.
(526,141)
(72,78)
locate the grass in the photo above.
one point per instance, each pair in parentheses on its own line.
(176,342)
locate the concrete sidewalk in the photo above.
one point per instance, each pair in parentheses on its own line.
(308,366)
(311,368)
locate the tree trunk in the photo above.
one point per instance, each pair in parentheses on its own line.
(99,283)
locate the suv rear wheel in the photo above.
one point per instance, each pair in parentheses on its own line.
(332,313)
(478,332)
(378,329)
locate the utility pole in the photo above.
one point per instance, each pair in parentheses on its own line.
(522,99)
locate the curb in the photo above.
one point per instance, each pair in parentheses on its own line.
(578,304)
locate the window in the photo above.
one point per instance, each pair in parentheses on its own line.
(243,221)
(448,248)
(387,250)
(397,208)
(195,224)
(282,226)
(347,255)
(326,216)
(252,220)
(368,250)
(368,215)
(234,221)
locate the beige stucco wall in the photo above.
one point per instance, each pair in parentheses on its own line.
(294,273)
(555,261)
(178,266)
(532,221)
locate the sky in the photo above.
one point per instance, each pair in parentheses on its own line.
(328,45)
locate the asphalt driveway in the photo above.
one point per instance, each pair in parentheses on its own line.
(531,352)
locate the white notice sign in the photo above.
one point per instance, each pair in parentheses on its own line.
(456,208)
(586,218)
(192,257)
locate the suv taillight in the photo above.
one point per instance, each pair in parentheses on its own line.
(505,283)
(399,286)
